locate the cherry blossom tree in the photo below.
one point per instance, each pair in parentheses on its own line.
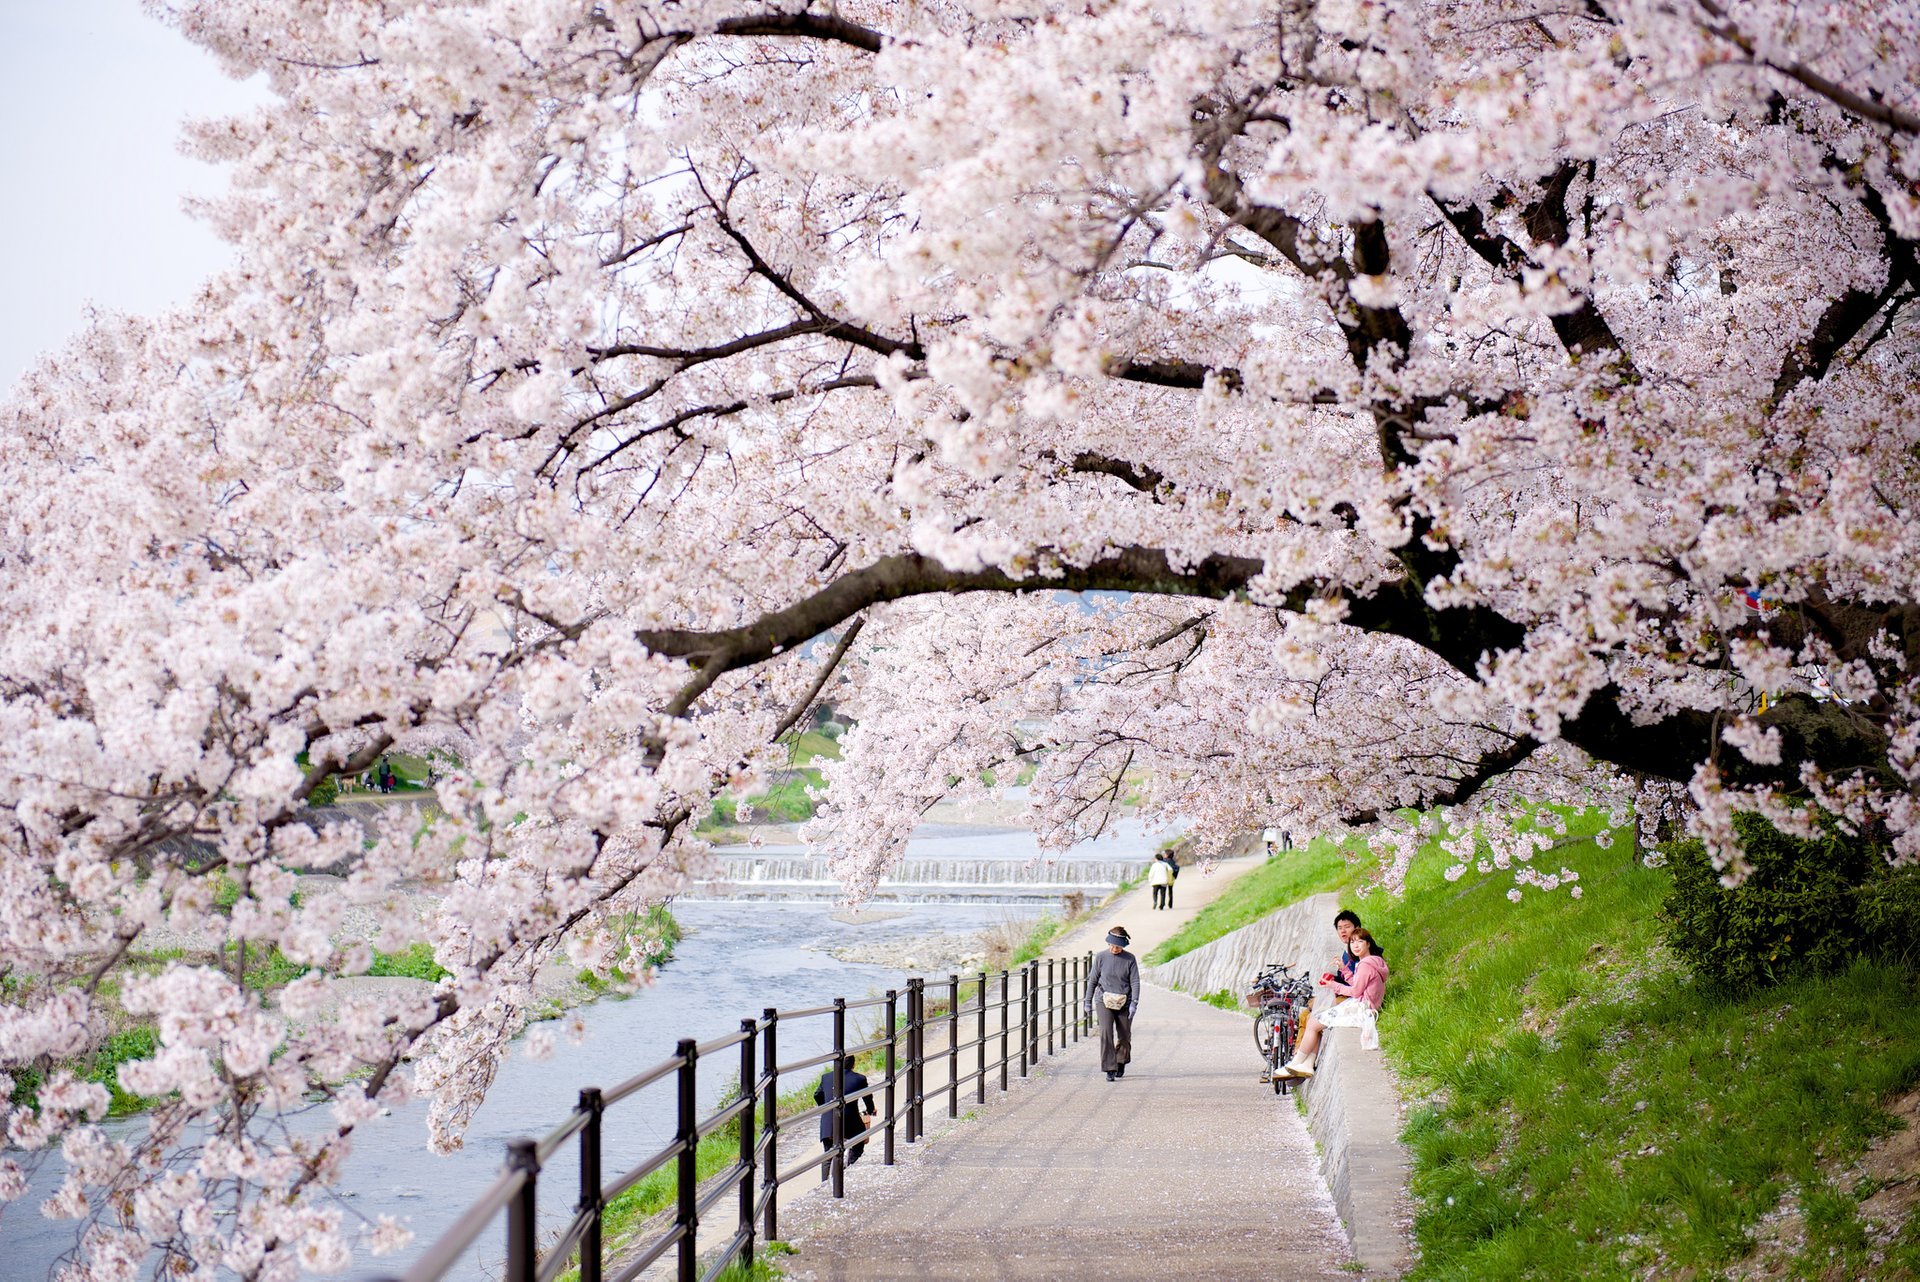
(1322,410)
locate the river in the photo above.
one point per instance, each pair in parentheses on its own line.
(736,959)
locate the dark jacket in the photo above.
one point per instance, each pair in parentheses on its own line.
(850,1123)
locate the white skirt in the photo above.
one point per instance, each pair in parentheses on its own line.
(1353,1014)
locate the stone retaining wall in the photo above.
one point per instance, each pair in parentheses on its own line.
(1355,1114)
(1300,933)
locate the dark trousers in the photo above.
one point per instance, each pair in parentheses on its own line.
(1163,896)
(853,1155)
(1116,1036)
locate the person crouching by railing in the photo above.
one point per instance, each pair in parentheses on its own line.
(1113,995)
(1369,986)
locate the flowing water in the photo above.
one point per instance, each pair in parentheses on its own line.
(736,959)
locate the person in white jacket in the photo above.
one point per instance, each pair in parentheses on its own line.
(1160,875)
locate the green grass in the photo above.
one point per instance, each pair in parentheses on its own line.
(102,1065)
(1226,999)
(1043,933)
(268,970)
(415,962)
(786,802)
(804,750)
(763,1268)
(1293,875)
(1583,1109)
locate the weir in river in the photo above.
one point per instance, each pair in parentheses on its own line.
(800,878)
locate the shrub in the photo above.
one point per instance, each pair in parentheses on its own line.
(1810,906)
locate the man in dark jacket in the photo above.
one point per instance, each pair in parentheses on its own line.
(851,1084)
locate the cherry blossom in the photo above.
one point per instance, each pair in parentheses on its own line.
(1394,416)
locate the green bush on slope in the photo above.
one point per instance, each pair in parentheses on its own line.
(1807,907)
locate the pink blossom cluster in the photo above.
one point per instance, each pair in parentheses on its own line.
(1352,416)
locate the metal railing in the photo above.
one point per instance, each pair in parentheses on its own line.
(1042,998)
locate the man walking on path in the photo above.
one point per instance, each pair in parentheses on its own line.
(851,1084)
(1113,996)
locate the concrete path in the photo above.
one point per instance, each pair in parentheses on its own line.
(1188,1168)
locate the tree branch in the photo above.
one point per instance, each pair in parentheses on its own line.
(1833,91)
(1488,768)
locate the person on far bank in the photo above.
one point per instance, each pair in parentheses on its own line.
(1161,874)
(1368,988)
(852,1082)
(1113,997)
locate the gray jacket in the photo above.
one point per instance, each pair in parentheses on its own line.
(1115,973)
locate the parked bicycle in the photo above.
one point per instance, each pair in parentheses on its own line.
(1280,996)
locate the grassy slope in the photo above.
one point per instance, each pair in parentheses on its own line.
(787,801)
(1275,884)
(1582,1109)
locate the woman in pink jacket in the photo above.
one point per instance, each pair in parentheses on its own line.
(1368,987)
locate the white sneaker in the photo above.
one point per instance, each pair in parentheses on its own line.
(1297,1067)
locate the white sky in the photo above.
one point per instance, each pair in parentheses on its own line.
(92,96)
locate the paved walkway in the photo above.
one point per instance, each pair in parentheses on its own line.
(1148,926)
(1187,1168)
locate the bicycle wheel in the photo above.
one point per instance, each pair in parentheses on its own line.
(1286,1035)
(1266,1028)
(1276,1056)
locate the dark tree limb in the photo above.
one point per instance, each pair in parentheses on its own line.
(1584,330)
(1881,113)
(1485,771)
(1827,735)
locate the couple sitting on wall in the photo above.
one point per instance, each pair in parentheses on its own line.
(1359,984)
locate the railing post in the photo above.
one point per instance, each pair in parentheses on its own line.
(913,1057)
(522,1252)
(1033,1016)
(684,1217)
(1053,1001)
(1026,999)
(917,1029)
(953,1045)
(1006,1046)
(751,1096)
(906,1065)
(590,1199)
(837,1163)
(1074,989)
(980,1045)
(770,1057)
(886,1148)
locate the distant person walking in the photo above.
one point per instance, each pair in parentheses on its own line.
(1113,998)
(1161,874)
(1369,986)
(852,1083)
